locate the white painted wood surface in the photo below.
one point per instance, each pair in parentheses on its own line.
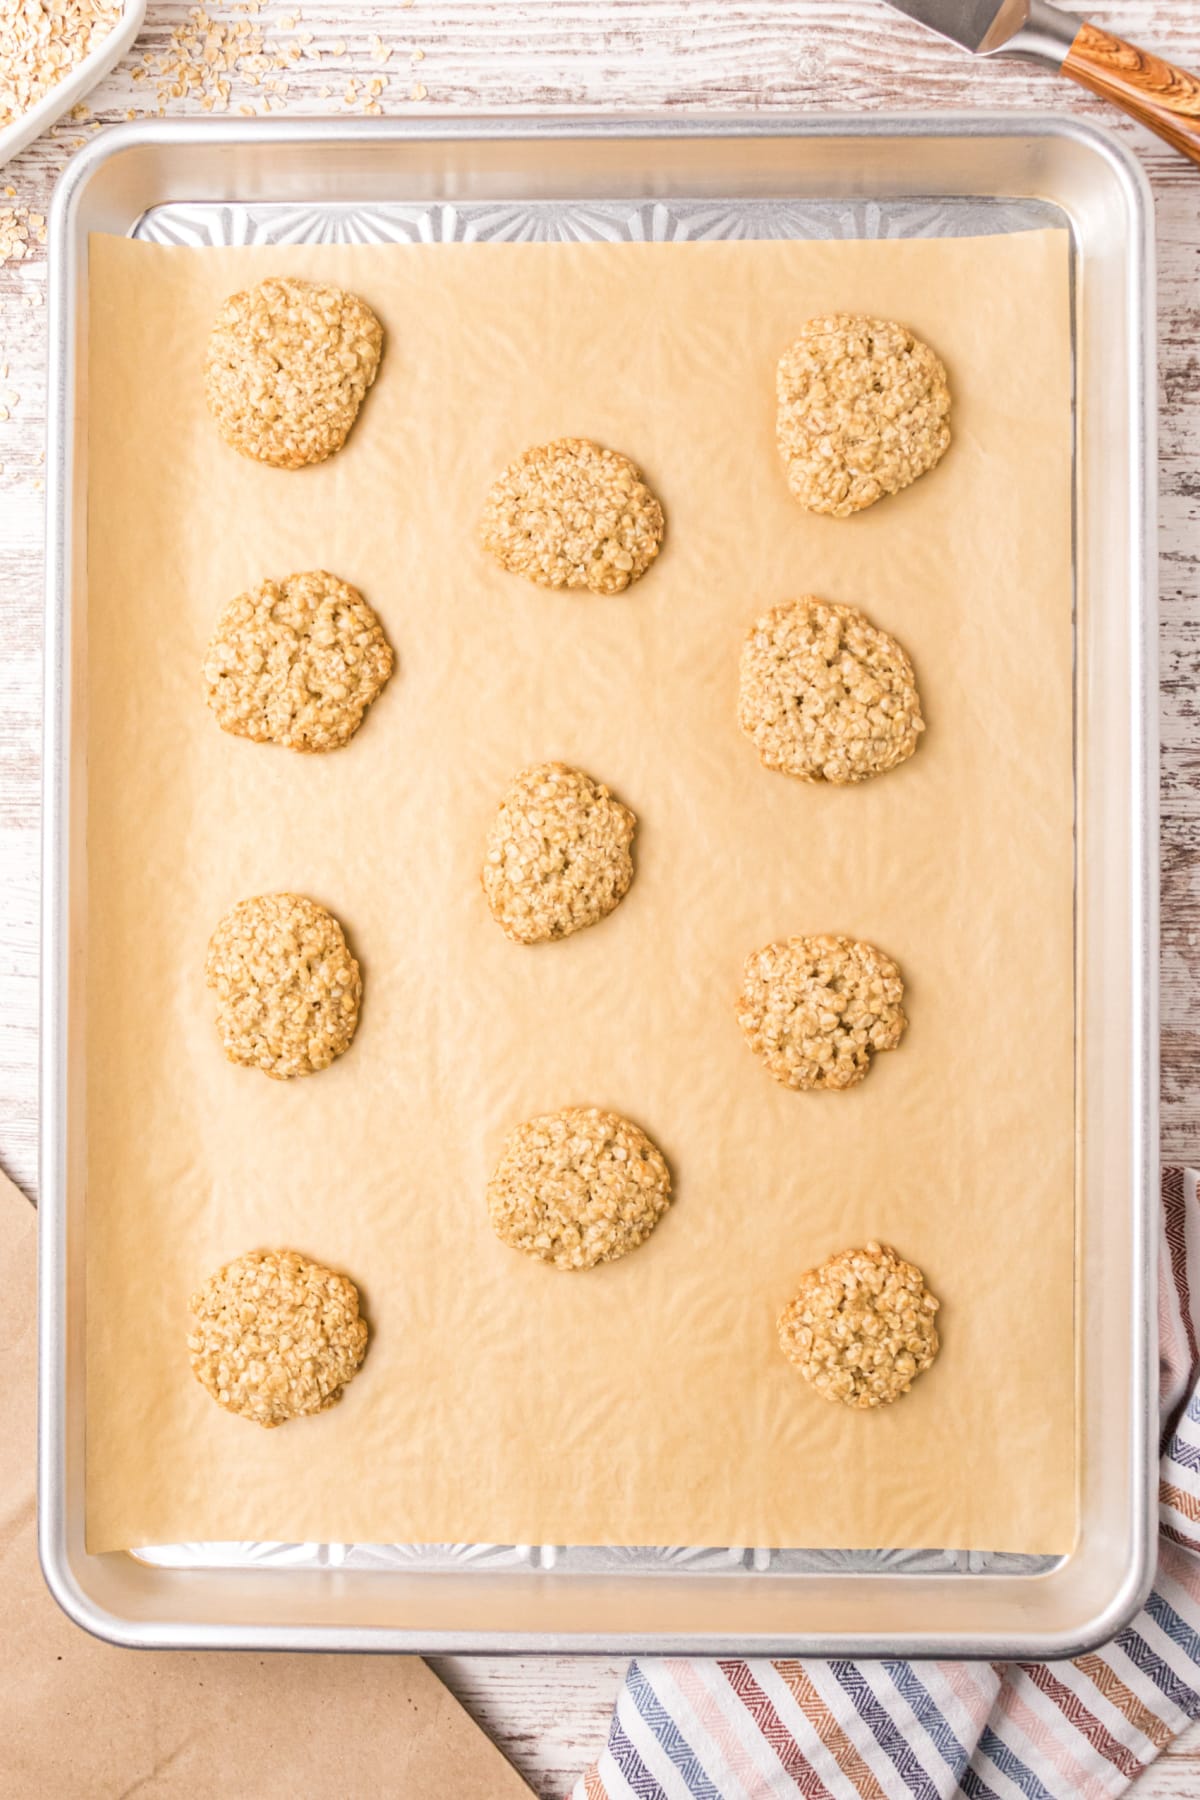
(551,1714)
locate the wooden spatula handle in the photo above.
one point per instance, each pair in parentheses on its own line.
(1155,92)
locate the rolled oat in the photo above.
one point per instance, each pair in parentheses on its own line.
(41,41)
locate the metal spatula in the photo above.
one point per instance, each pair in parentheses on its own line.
(1153,91)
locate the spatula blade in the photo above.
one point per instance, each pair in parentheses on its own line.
(979,26)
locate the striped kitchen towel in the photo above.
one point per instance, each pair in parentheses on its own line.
(761,1730)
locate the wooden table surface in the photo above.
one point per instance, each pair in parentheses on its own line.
(551,1713)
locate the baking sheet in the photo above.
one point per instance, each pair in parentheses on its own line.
(644,1402)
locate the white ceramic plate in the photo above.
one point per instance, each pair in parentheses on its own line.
(80,81)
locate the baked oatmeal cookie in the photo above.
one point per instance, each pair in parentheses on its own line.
(296,662)
(288,364)
(558,854)
(288,990)
(578,1187)
(861,1328)
(864,410)
(825,695)
(275,1336)
(571,514)
(816,1009)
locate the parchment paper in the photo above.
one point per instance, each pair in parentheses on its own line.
(644,1402)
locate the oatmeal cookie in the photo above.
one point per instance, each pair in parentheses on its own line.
(288,990)
(816,1009)
(578,1187)
(296,662)
(864,411)
(825,695)
(861,1328)
(558,854)
(275,1336)
(288,364)
(572,514)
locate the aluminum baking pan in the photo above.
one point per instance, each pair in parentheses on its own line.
(220,181)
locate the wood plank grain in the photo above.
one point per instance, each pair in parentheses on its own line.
(1176,1774)
(551,1714)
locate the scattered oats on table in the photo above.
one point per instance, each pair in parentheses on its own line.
(816,1009)
(288,989)
(296,662)
(206,54)
(558,854)
(864,411)
(571,514)
(41,41)
(20,230)
(288,365)
(825,695)
(861,1328)
(578,1187)
(276,1337)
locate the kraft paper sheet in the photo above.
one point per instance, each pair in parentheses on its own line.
(644,1402)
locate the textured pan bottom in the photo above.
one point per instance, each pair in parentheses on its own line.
(615,221)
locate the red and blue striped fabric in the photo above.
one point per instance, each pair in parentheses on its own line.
(766,1730)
